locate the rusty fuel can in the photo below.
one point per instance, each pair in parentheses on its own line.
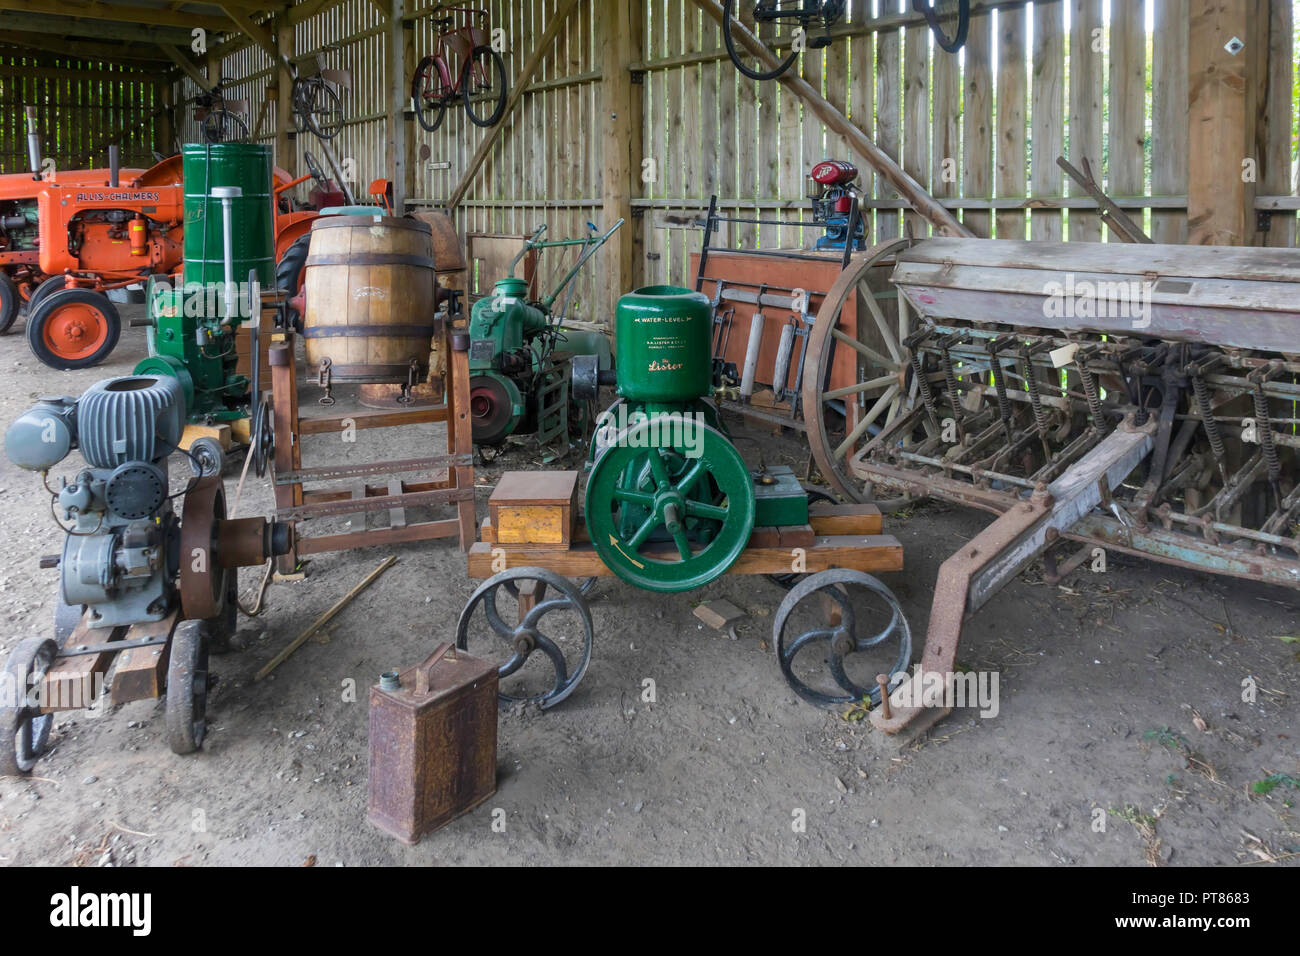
(433,743)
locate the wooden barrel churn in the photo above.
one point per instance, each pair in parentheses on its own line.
(370,306)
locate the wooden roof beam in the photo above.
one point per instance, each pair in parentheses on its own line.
(82,49)
(254,31)
(120,14)
(188,67)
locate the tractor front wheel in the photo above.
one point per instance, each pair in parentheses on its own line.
(74,328)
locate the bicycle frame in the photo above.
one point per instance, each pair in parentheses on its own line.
(462,41)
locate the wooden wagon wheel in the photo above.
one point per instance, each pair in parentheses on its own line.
(840,416)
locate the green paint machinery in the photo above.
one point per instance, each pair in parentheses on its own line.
(670,502)
(519,348)
(229,235)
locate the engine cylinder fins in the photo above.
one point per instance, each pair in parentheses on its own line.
(130,419)
(670,504)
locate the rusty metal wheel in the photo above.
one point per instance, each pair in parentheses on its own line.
(187,688)
(857,378)
(202,580)
(24,730)
(844,623)
(563,647)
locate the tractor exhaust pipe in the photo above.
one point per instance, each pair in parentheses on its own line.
(114,166)
(33,143)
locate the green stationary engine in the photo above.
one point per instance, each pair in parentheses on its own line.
(670,502)
(229,236)
(518,350)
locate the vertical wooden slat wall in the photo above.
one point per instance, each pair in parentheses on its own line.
(982,130)
(83,106)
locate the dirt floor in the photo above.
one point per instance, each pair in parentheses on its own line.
(1122,737)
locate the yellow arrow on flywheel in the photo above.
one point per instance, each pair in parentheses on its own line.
(616,543)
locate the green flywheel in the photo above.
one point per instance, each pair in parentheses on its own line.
(670,504)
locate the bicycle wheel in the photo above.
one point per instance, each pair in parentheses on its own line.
(949,21)
(324,111)
(485,85)
(299,94)
(223,126)
(774,23)
(426,95)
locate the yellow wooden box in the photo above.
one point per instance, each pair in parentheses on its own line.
(530,508)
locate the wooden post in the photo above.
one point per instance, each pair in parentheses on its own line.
(286,157)
(165,130)
(399,93)
(1220,199)
(415,170)
(622,144)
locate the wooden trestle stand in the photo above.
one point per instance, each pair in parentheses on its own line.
(295,502)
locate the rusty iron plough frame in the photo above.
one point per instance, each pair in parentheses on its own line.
(1155,443)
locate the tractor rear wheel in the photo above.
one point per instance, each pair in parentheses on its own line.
(289,275)
(74,328)
(9,302)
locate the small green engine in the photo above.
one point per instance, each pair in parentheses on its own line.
(519,350)
(670,501)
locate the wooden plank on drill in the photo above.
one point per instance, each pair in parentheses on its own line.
(827,518)
(141,672)
(870,553)
(70,682)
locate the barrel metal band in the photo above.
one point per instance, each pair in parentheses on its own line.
(368,331)
(370,259)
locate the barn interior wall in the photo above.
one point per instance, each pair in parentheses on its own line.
(1105,80)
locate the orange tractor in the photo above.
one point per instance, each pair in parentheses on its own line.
(68,238)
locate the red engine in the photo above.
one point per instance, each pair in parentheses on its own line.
(834,172)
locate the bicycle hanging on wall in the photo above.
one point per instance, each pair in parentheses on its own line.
(480,77)
(786,27)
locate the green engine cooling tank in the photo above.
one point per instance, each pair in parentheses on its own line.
(663,343)
(248,166)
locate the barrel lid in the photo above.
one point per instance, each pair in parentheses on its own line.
(388,222)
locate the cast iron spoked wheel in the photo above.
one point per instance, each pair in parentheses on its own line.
(698,510)
(485,87)
(949,21)
(775,32)
(222,628)
(187,688)
(533,634)
(815,494)
(856,373)
(428,95)
(837,628)
(73,328)
(50,286)
(25,730)
(10,302)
